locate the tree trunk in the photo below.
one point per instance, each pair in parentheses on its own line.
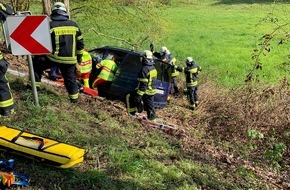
(66,3)
(20,5)
(46,5)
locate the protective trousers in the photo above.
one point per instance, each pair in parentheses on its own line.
(85,78)
(68,71)
(149,106)
(6,99)
(148,101)
(192,96)
(98,82)
(173,86)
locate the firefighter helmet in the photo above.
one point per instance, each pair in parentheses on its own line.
(189,61)
(109,56)
(163,50)
(147,54)
(58,6)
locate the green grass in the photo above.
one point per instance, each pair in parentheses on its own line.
(220,37)
(121,154)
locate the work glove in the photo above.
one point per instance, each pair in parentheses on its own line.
(79,58)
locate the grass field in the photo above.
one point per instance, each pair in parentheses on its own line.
(220,36)
(210,151)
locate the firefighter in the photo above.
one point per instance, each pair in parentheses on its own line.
(6,98)
(191,74)
(108,69)
(145,91)
(68,47)
(168,58)
(84,69)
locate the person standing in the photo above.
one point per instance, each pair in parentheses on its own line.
(191,75)
(167,57)
(145,91)
(67,50)
(84,69)
(6,98)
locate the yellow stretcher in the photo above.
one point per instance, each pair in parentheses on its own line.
(46,150)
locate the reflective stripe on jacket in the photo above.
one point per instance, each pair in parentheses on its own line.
(147,78)
(191,74)
(109,68)
(67,41)
(6,98)
(86,65)
(174,72)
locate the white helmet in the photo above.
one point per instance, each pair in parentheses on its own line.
(58,6)
(189,61)
(163,49)
(147,54)
(110,56)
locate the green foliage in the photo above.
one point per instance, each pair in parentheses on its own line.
(120,153)
(273,47)
(242,171)
(219,36)
(108,19)
(252,135)
(275,155)
(287,134)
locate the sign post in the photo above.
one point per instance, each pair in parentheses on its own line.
(28,35)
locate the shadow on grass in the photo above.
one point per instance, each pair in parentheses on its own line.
(44,177)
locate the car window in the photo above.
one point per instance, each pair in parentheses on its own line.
(163,71)
(131,63)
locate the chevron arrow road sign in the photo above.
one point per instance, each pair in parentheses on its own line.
(29,35)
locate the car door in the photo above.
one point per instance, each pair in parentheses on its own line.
(126,76)
(162,84)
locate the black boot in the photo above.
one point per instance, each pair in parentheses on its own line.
(7,111)
(74,101)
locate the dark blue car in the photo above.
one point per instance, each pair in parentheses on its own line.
(125,80)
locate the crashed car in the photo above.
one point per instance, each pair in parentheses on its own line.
(125,80)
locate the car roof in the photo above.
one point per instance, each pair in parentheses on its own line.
(122,51)
(118,49)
